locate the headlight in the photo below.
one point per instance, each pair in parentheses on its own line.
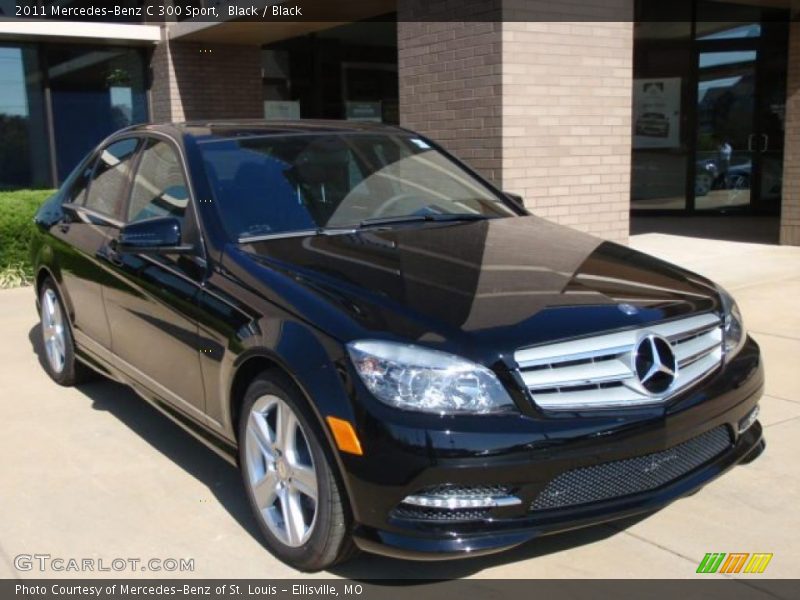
(733,334)
(414,378)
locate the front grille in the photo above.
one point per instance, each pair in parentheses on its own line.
(598,372)
(632,475)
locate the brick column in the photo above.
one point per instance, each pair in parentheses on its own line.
(567,121)
(540,106)
(205,81)
(450,88)
(790,204)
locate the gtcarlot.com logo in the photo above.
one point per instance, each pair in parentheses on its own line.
(58,564)
(734,562)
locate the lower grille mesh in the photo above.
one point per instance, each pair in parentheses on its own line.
(438,514)
(631,475)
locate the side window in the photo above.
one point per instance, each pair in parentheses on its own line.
(159,188)
(109,181)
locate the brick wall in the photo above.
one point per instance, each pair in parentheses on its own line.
(790,209)
(541,107)
(198,81)
(450,88)
(566,104)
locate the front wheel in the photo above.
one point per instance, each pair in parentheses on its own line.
(289,479)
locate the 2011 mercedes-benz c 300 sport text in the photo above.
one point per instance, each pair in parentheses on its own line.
(397,355)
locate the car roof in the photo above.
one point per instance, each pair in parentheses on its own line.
(226,129)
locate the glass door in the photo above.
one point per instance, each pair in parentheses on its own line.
(741,101)
(728,143)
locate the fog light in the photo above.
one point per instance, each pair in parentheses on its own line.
(458,498)
(748,421)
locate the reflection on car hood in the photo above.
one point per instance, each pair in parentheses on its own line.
(499,283)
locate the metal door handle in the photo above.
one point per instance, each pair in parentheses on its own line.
(750,139)
(766,142)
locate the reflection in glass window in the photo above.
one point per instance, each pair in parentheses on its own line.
(95,91)
(24,148)
(727,31)
(728,20)
(660,135)
(725,138)
(159,188)
(109,182)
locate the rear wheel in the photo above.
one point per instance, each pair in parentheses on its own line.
(289,479)
(59,345)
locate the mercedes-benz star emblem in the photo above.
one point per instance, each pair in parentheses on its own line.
(655,364)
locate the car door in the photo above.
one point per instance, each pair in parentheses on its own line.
(151,302)
(92,209)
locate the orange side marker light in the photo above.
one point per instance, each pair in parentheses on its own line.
(345,436)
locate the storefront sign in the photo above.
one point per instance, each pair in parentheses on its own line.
(364,111)
(281,109)
(657,113)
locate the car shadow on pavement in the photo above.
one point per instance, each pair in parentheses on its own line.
(161,433)
(223,481)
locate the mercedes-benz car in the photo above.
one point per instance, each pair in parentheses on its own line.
(396,354)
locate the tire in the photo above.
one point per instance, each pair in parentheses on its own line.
(277,468)
(59,345)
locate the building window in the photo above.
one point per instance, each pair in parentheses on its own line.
(346,72)
(94,92)
(24,150)
(661,100)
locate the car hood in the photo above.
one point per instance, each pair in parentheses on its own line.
(480,288)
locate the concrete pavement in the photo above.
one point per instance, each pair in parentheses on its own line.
(94,472)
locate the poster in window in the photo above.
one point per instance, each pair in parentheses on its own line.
(657,112)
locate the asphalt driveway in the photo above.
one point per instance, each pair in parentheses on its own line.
(94,472)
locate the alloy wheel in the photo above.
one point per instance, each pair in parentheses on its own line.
(280,470)
(53,330)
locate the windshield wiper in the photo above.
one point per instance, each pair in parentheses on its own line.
(374,222)
(280,235)
(434,217)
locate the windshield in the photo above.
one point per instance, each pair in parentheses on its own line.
(271,185)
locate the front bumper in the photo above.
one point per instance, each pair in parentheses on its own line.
(527,454)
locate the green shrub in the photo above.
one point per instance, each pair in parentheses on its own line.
(16,224)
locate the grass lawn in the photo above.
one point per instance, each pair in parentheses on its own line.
(16,224)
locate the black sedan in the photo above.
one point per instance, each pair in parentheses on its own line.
(398,357)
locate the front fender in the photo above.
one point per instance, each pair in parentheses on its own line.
(315,363)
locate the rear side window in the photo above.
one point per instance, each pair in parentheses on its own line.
(159,188)
(110,178)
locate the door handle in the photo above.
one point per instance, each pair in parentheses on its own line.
(750,139)
(765,147)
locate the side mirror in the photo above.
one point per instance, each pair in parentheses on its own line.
(517,201)
(156,235)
